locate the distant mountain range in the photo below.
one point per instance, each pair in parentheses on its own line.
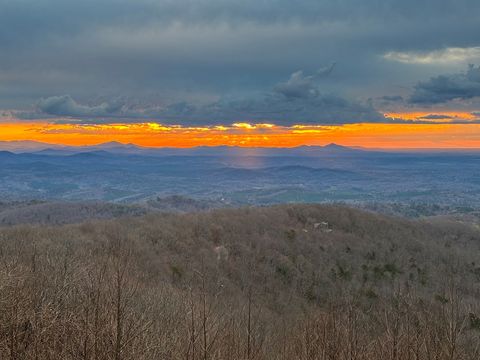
(119,148)
(132,149)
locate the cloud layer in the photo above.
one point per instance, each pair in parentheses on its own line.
(207,60)
(445,88)
(297,100)
(65,106)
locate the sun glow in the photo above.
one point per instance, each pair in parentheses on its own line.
(432,117)
(388,135)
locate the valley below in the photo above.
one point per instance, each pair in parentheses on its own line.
(228,176)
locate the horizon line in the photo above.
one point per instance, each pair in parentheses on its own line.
(352,147)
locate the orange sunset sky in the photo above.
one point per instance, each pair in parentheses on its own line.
(408,133)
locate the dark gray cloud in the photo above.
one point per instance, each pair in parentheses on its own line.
(65,106)
(300,86)
(435,117)
(315,109)
(444,88)
(298,100)
(391,98)
(199,52)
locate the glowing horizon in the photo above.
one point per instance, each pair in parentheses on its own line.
(408,135)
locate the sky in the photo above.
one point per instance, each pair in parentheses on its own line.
(371,73)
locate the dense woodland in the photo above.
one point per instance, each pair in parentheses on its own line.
(285,282)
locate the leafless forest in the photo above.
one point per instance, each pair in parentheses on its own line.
(286,282)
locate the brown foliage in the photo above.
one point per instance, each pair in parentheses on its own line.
(155,288)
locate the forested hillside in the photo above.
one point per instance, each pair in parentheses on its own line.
(58,213)
(283,282)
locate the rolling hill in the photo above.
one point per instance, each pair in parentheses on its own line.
(290,281)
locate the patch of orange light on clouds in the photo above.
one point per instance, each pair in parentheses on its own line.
(438,117)
(397,135)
